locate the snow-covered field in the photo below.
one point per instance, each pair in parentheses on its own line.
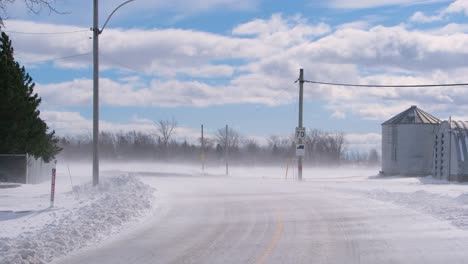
(31,232)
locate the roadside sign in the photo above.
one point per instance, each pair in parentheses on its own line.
(300,133)
(52,185)
(300,150)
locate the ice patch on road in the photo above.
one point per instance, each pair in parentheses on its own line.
(444,207)
(99,212)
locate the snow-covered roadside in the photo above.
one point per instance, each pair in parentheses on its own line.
(83,217)
(444,207)
(447,201)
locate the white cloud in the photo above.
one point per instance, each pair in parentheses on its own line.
(140,120)
(364,25)
(73,124)
(459,6)
(363,142)
(267,54)
(173,51)
(420,17)
(67,122)
(156,52)
(159,93)
(360,4)
(338,115)
(450,29)
(281,31)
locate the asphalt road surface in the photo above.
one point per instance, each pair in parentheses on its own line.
(245,220)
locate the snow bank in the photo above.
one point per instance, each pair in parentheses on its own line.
(444,207)
(98,212)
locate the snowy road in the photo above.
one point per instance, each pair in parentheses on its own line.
(253,220)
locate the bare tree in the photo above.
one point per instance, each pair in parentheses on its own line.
(336,145)
(280,142)
(311,141)
(274,141)
(165,130)
(251,146)
(373,157)
(34,6)
(233,139)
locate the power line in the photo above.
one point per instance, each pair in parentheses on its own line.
(45,33)
(119,64)
(59,58)
(386,85)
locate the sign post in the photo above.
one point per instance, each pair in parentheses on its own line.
(52,185)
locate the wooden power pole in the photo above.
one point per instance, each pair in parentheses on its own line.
(226,151)
(202,154)
(300,141)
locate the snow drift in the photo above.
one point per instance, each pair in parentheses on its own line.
(98,213)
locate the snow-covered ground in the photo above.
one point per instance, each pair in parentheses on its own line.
(444,200)
(31,232)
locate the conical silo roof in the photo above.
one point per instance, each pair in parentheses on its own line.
(413,115)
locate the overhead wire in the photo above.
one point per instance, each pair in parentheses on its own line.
(46,33)
(385,85)
(58,58)
(51,33)
(119,63)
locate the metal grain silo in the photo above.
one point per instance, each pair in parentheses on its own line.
(451,151)
(407,143)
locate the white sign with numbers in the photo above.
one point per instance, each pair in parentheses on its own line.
(300,133)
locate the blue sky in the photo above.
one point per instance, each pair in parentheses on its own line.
(217,62)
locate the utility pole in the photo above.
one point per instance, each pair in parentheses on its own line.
(96,33)
(226,151)
(301,97)
(202,155)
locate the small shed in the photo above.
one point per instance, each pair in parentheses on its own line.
(407,147)
(451,152)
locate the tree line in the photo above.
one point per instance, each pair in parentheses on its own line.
(322,148)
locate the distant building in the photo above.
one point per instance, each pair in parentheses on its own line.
(450,151)
(407,143)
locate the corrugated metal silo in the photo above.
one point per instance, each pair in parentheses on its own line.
(451,151)
(407,143)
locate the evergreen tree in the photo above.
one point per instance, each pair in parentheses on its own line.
(21,128)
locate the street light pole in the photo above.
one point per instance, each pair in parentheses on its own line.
(96,33)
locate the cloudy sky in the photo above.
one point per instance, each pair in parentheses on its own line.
(218,62)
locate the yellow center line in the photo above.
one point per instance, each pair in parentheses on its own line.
(273,242)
